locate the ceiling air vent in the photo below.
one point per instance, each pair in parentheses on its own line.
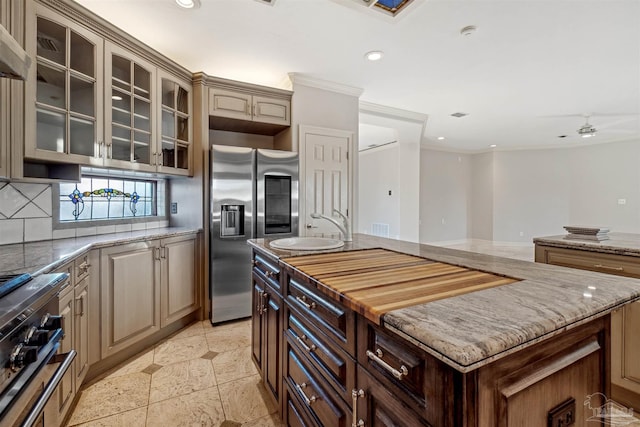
(269,2)
(458,115)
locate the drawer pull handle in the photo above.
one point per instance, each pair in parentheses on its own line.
(303,300)
(377,357)
(271,274)
(308,400)
(302,340)
(355,394)
(606,267)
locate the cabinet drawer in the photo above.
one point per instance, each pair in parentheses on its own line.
(295,416)
(393,362)
(333,363)
(620,265)
(267,268)
(313,393)
(81,267)
(330,317)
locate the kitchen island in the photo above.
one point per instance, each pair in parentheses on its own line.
(619,254)
(458,360)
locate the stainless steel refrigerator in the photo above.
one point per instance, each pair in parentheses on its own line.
(254,194)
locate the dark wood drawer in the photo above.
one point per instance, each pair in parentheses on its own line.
(620,265)
(418,379)
(330,317)
(313,393)
(393,362)
(333,363)
(267,268)
(295,416)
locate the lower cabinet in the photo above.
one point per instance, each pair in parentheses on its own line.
(130,288)
(65,392)
(385,380)
(625,348)
(266,334)
(625,322)
(178,291)
(376,405)
(144,287)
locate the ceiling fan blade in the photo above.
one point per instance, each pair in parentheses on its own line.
(614,123)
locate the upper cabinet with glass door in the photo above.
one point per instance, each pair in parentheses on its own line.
(63,117)
(174,150)
(129,113)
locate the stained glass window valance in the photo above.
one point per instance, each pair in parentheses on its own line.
(96,198)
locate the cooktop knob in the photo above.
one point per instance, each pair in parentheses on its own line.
(22,355)
(37,337)
(51,322)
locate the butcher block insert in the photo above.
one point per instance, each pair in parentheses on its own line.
(375,281)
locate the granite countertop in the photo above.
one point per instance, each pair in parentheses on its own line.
(474,329)
(46,256)
(618,243)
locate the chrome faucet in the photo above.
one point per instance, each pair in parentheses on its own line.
(345,227)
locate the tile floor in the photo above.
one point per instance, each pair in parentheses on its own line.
(202,376)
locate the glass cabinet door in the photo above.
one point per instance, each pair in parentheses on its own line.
(129,136)
(66,90)
(176,122)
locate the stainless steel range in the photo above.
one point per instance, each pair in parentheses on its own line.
(30,334)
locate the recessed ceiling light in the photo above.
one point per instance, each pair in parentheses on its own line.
(374,55)
(440,138)
(188,4)
(493,146)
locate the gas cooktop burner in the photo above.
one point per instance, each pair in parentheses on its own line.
(10,282)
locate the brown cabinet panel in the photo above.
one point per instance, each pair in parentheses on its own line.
(273,336)
(331,317)
(378,406)
(333,363)
(619,265)
(314,394)
(256,321)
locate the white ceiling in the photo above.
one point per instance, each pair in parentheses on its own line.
(526,76)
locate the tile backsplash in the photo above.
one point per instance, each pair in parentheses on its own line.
(26,216)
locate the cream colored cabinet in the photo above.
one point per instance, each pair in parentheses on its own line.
(625,348)
(4,128)
(144,287)
(178,280)
(4,109)
(81,318)
(174,153)
(129,110)
(130,294)
(63,93)
(65,392)
(246,106)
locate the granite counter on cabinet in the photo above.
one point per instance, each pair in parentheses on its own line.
(45,256)
(475,329)
(618,244)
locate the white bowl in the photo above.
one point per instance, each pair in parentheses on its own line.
(306,243)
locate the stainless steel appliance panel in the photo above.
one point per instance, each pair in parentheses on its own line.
(276,193)
(231,216)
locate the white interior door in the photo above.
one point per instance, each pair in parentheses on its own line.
(327,175)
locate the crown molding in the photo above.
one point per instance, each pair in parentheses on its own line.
(306,80)
(396,113)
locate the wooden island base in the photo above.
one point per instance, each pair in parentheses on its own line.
(327,365)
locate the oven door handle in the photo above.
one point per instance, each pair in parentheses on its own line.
(50,388)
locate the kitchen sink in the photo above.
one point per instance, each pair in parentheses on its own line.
(306,243)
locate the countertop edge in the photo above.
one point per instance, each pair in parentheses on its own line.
(75,247)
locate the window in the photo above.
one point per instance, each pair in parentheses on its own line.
(102,198)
